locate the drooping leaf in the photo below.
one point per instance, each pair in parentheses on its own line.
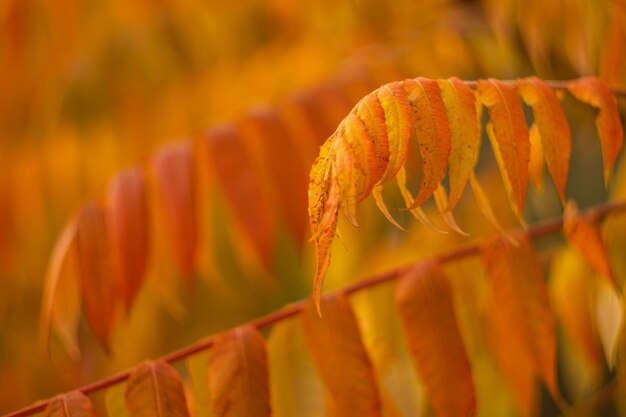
(460,104)
(551,126)
(508,135)
(425,302)
(128,213)
(340,358)
(268,140)
(155,389)
(519,300)
(585,238)
(235,173)
(174,174)
(593,91)
(96,270)
(238,378)
(432,132)
(371,112)
(61,294)
(398,117)
(295,388)
(72,404)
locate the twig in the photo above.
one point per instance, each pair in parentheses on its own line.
(544,228)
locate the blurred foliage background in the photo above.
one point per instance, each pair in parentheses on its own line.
(89,87)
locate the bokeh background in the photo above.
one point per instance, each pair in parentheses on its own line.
(90,87)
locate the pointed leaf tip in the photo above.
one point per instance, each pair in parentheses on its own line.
(509,138)
(551,127)
(585,238)
(594,92)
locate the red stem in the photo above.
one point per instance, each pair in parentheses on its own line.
(544,228)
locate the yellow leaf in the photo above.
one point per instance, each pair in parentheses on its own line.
(460,104)
(483,203)
(508,135)
(535,165)
(174,174)
(295,387)
(572,289)
(551,127)
(426,306)
(238,378)
(593,91)
(340,358)
(72,404)
(155,389)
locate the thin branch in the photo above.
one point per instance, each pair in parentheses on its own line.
(545,228)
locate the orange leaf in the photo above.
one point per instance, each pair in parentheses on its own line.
(552,128)
(372,114)
(426,305)
(593,91)
(61,295)
(128,213)
(460,104)
(155,389)
(398,117)
(271,143)
(174,174)
(323,211)
(508,135)
(72,404)
(340,358)
(432,133)
(585,238)
(238,376)
(96,270)
(242,189)
(521,321)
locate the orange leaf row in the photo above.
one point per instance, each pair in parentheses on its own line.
(258,164)
(371,146)
(520,328)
